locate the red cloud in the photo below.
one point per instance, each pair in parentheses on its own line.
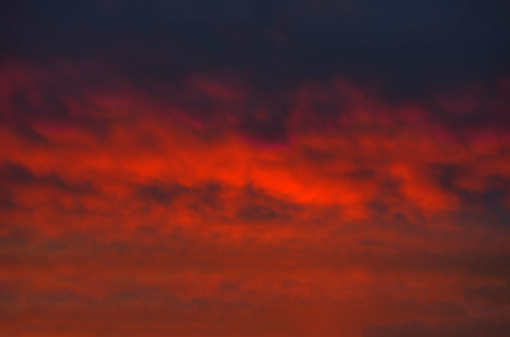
(211,208)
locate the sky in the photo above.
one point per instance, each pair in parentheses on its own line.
(255,168)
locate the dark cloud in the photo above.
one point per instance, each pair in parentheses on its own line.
(472,328)
(51,106)
(410,44)
(18,175)
(491,295)
(162,194)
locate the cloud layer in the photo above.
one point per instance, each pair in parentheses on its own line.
(233,169)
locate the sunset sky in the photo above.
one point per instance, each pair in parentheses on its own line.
(311,168)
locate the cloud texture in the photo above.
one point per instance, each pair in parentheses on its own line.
(248,168)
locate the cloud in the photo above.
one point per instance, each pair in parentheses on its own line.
(413,47)
(417,329)
(305,168)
